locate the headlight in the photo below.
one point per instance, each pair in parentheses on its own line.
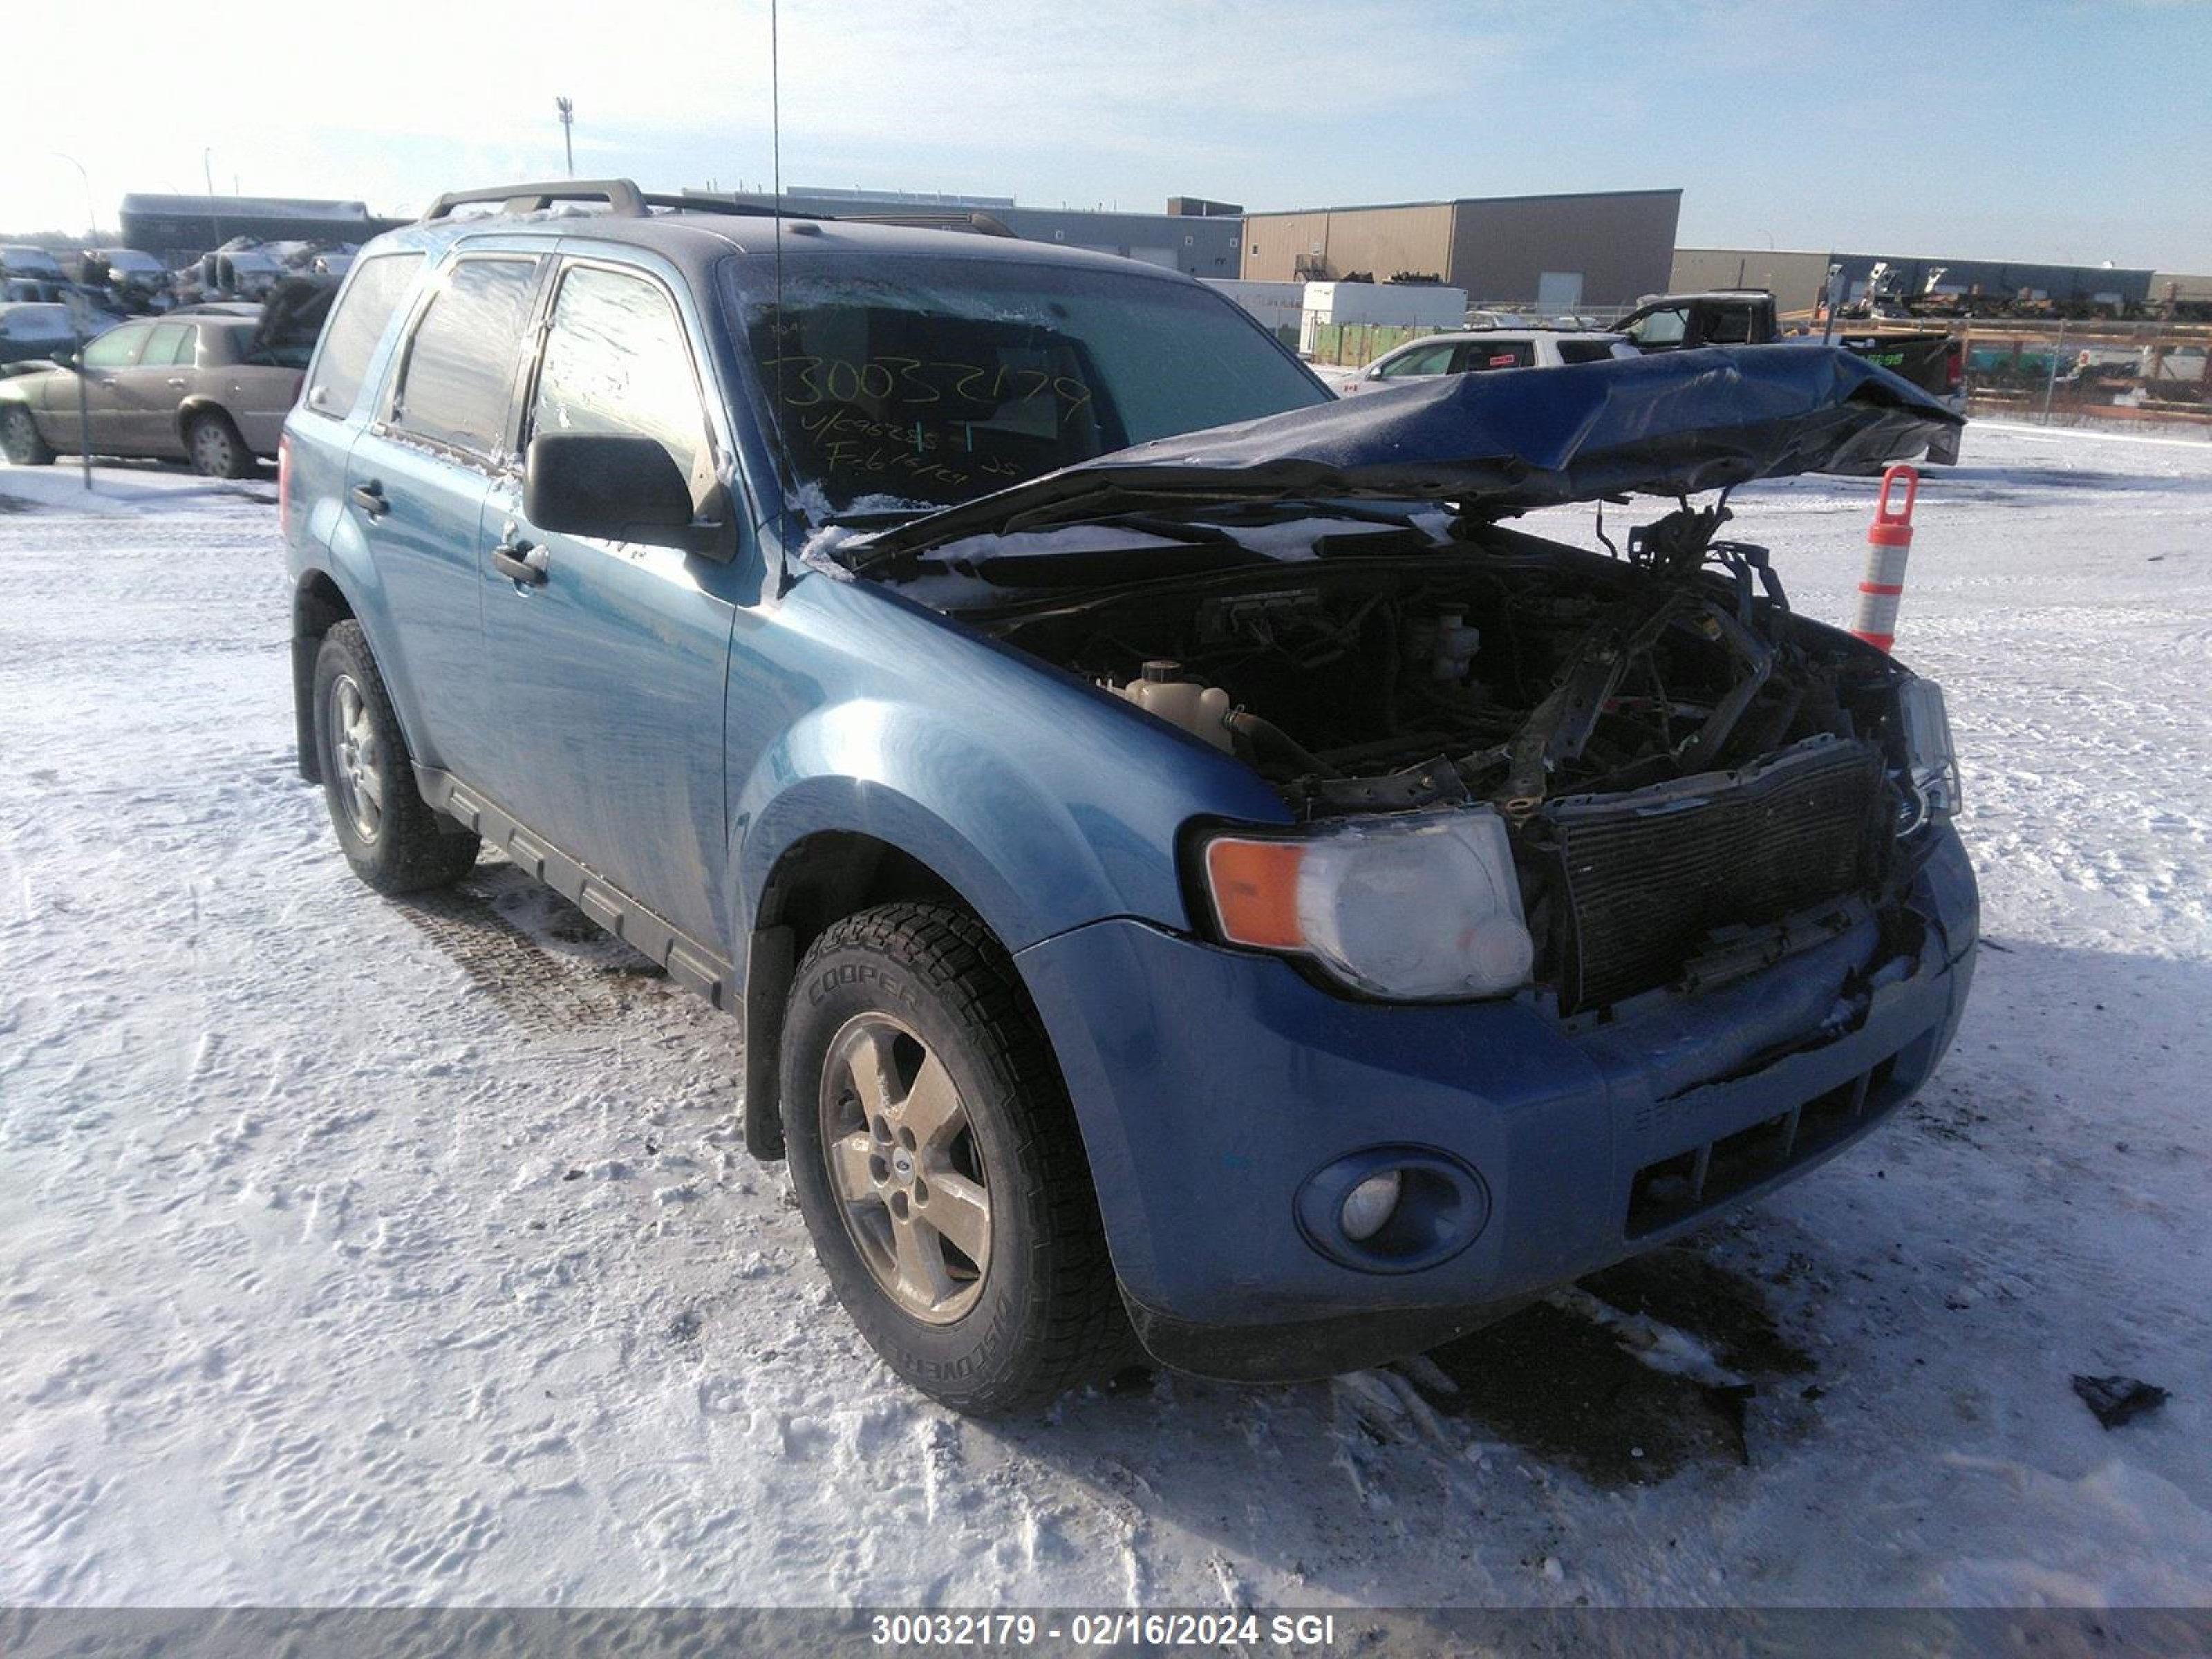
(1421,907)
(1931,764)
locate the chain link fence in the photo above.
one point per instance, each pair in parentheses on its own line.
(2145,377)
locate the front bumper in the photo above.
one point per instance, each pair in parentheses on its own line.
(1211,1085)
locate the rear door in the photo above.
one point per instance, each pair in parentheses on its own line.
(416,484)
(610,666)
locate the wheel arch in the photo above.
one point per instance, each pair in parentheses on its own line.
(818,880)
(319,604)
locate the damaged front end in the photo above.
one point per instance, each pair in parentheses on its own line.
(1511,766)
(1512,761)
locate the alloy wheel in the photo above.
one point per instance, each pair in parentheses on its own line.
(905,1165)
(356,761)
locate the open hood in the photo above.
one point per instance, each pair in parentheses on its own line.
(1496,444)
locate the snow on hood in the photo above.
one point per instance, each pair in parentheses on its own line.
(1670,425)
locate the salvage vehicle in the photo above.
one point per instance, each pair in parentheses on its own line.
(1478,352)
(135,278)
(22,259)
(1187,866)
(211,388)
(31,331)
(1935,362)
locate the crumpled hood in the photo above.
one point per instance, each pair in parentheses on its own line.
(1671,424)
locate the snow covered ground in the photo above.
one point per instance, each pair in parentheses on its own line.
(361,1252)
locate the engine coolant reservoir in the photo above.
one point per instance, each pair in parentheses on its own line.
(1199,710)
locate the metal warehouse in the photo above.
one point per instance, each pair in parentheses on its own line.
(1196,236)
(1562,253)
(178,229)
(1799,276)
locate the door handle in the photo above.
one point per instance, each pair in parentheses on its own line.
(178,381)
(369,498)
(514,559)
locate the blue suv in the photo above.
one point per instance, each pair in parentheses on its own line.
(1189,868)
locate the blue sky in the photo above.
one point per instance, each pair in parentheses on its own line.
(2038,128)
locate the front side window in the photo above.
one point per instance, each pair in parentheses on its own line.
(355,327)
(458,383)
(929,380)
(118,348)
(1661,328)
(617,361)
(1419,359)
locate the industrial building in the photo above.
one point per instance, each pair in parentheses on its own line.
(1799,277)
(1196,236)
(1560,253)
(178,229)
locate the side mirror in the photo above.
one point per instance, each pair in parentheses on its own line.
(67,357)
(616,488)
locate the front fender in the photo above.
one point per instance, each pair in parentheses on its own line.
(1029,861)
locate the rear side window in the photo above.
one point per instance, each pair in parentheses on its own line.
(355,327)
(617,361)
(1729,325)
(1585,351)
(1497,353)
(458,383)
(172,344)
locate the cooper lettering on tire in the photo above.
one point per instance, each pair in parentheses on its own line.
(936,1163)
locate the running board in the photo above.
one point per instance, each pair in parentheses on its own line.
(689,962)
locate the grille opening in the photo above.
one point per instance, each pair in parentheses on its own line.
(1678,1186)
(1642,880)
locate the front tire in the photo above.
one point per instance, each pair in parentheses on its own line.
(395,840)
(937,1162)
(216,450)
(20,440)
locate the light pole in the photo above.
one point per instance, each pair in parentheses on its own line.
(207,171)
(91,214)
(568,108)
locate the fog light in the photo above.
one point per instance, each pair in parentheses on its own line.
(1369,1204)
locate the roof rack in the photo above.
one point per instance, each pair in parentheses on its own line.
(622,197)
(983,224)
(625,200)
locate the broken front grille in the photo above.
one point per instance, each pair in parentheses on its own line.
(1676,1188)
(1640,879)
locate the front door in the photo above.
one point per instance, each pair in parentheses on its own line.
(610,664)
(98,380)
(147,392)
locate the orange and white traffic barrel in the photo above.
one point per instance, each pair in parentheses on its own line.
(1889,541)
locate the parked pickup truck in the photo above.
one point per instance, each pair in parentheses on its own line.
(1933,360)
(1187,867)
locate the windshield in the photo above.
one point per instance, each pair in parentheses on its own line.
(928,381)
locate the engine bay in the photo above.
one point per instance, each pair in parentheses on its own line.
(1509,669)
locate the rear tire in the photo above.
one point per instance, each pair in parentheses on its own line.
(938,1165)
(395,840)
(20,440)
(216,450)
